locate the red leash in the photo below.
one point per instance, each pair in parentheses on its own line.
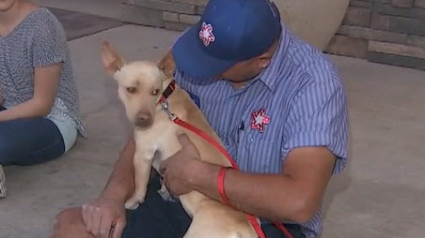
(220,181)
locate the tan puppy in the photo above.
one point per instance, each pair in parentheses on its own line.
(140,86)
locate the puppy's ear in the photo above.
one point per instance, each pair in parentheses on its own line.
(112,61)
(166,65)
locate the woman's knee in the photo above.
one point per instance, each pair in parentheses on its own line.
(69,224)
(20,144)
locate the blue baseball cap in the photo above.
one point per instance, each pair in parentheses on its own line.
(229,31)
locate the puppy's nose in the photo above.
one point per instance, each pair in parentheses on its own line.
(143,119)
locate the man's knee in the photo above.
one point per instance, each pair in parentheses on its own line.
(69,224)
(70,215)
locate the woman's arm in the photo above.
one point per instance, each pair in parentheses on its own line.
(46,81)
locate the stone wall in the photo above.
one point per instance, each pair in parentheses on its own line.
(383,31)
(169,14)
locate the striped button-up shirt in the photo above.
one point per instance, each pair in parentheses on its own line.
(299,100)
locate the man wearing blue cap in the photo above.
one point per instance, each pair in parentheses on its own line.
(278,105)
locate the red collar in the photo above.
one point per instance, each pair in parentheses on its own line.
(168,91)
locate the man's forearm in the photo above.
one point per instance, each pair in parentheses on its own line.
(274,197)
(121,183)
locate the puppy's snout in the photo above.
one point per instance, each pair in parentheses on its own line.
(143,119)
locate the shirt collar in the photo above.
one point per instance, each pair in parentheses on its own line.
(270,75)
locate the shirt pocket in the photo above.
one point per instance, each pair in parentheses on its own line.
(263,150)
(230,143)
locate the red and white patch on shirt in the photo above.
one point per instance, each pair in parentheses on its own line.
(259,120)
(206,34)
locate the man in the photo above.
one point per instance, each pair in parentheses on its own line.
(278,105)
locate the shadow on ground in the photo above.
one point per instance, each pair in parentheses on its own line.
(79,24)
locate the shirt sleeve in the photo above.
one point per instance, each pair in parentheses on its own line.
(49,44)
(319,117)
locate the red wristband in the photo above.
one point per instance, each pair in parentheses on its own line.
(220,186)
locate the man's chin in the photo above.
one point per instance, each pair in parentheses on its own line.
(238,81)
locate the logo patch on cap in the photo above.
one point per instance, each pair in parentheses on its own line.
(206,34)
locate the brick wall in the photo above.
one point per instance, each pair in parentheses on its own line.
(170,14)
(382,31)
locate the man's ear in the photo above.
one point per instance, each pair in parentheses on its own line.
(167,65)
(112,61)
(263,61)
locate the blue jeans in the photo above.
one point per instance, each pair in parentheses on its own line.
(156,218)
(29,141)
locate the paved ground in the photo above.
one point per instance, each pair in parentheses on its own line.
(78,24)
(379,195)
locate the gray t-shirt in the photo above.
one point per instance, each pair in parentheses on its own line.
(39,40)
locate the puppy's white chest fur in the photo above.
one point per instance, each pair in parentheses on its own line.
(160,140)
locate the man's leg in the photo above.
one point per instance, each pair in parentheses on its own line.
(155,218)
(29,141)
(161,219)
(69,224)
(272,232)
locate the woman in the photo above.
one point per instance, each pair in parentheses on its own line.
(39,111)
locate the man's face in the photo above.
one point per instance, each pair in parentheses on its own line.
(244,71)
(6,5)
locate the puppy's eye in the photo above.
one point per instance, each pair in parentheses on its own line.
(132,90)
(155,92)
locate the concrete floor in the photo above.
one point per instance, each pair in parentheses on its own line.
(79,24)
(381,194)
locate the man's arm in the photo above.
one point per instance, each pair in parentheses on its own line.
(121,182)
(297,192)
(105,216)
(294,195)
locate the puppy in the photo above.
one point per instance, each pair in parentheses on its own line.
(140,86)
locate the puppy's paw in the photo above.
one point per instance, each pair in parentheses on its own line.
(132,203)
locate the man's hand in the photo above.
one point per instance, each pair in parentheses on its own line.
(178,169)
(104,217)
